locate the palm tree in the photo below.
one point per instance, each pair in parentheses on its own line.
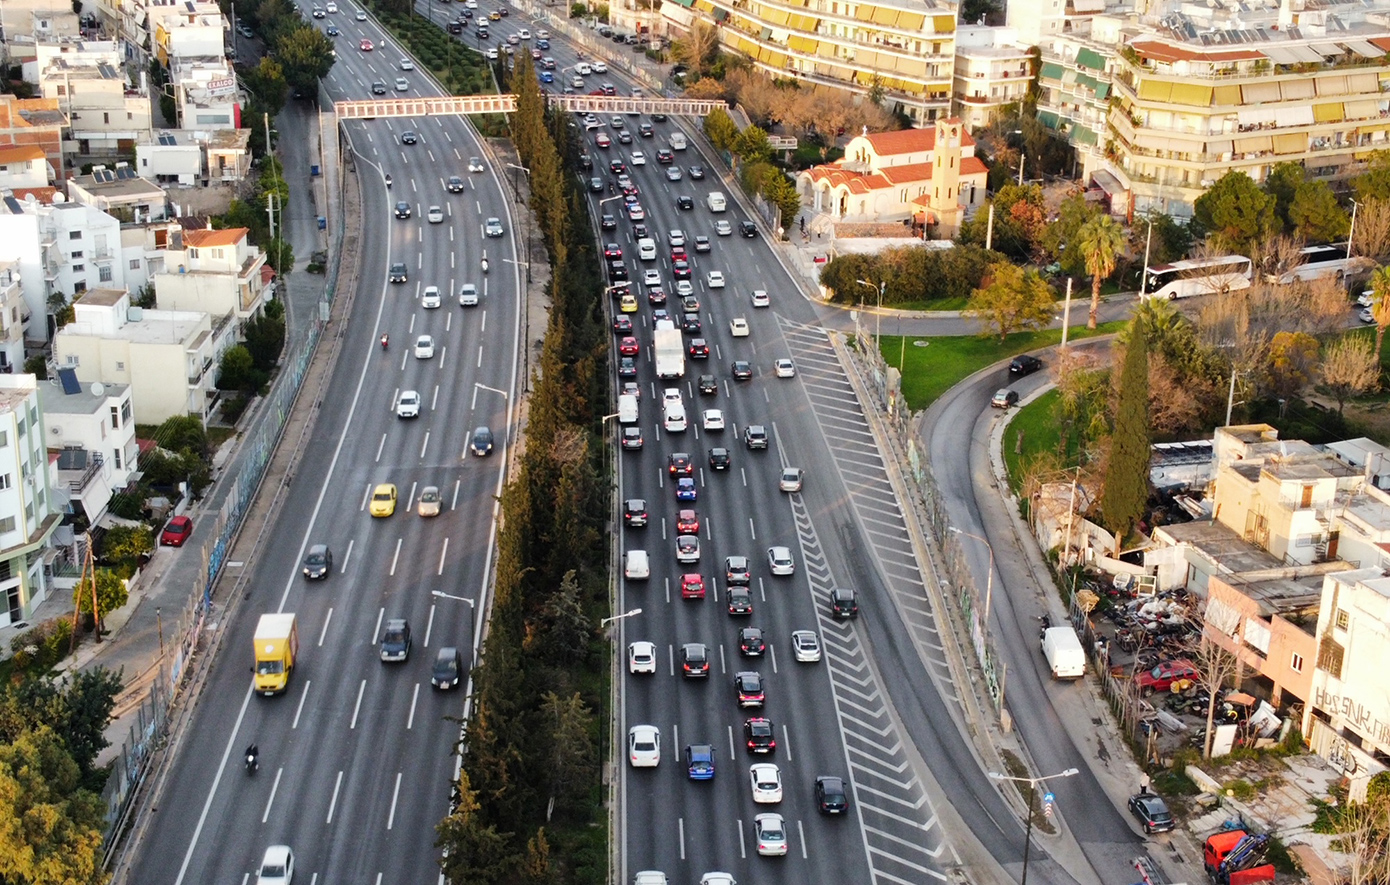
(1100,241)
(1380,308)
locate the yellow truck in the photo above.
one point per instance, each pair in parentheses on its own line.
(277,647)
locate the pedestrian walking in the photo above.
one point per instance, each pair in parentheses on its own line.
(1144,783)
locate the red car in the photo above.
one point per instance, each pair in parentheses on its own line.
(179,529)
(687,523)
(365,46)
(679,253)
(692,587)
(1166,675)
(628,346)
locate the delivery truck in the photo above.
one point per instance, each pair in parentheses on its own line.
(1065,656)
(669,349)
(277,647)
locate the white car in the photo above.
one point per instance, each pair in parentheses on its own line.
(644,746)
(424,348)
(805,646)
(524,34)
(738,327)
(767,783)
(408,404)
(673,173)
(675,237)
(779,561)
(717,879)
(760,298)
(639,158)
(406,64)
(475,164)
(641,657)
(687,548)
(723,228)
(715,279)
(684,288)
(360,16)
(670,395)
(651,278)
(429,299)
(491,53)
(771,835)
(402,84)
(713,419)
(785,368)
(277,866)
(600,67)
(791,479)
(468,295)
(435,215)
(331,6)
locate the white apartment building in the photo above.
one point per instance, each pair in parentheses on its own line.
(92,450)
(122,193)
(14,313)
(24,166)
(106,113)
(189,30)
(992,72)
(27,515)
(143,248)
(212,271)
(206,92)
(170,358)
(27,23)
(1348,716)
(64,248)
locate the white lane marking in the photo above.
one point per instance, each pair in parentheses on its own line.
(380,614)
(357,707)
(480,356)
(333,803)
(680,822)
(324,632)
(802,835)
(732,756)
(343,570)
(443,555)
(366,496)
(723,669)
(275,788)
(299,708)
(379,446)
(395,558)
(429,627)
(453,505)
(434,400)
(786,744)
(424,445)
(751,530)
(742,849)
(395,797)
(414,699)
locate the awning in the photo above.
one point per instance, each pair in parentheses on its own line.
(1362,110)
(1048,119)
(1326,50)
(1363,82)
(1363,49)
(1296,116)
(1089,58)
(1328,113)
(1107,182)
(1332,86)
(1086,80)
(1082,135)
(1255,93)
(1192,94)
(1306,53)
(1216,148)
(1102,91)
(1295,90)
(1256,145)
(1290,143)
(1155,90)
(1224,96)
(1256,116)
(1051,71)
(1279,55)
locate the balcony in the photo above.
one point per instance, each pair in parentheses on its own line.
(77,468)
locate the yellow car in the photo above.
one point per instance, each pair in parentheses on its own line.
(383,500)
(628,304)
(494,16)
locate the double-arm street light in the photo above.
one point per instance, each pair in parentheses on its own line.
(1032,783)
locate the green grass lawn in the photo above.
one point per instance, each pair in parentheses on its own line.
(1037,425)
(945,361)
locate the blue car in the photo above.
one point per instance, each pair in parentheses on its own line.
(685,489)
(542,44)
(547,77)
(699,762)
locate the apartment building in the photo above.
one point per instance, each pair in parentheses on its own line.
(24,166)
(903,49)
(1347,720)
(212,271)
(28,516)
(92,450)
(27,23)
(992,72)
(192,30)
(106,113)
(61,249)
(206,93)
(120,192)
(170,358)
(14,313)
(34,122)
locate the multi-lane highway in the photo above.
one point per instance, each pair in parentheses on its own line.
(357,756)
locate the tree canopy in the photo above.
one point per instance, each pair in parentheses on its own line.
(1235,210)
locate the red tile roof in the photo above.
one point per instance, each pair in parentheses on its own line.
(907,141)
(1169,52)
(208,238)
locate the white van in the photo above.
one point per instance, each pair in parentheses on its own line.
(636,567)
(1065,656)
(646,249)
(675,417)
(715,201)
(627,409)
(583,69)
(677,141)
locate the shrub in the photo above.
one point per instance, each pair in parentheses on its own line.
(41,647)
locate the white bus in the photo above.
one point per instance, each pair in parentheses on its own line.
(1314,262)
(1197,276)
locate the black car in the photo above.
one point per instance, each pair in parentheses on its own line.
(831,797)
(481,444)
(617,271)
(665,157)
(454,184)
(627,367)
(843,603)
(694,660)
(318,562)
(750,642)
(680,269)
(742,370)
(740,601)
(617,167)
(699,349)
(632,439)
(658,118)
(759,735)
(719,458)
(448,668)
(397,273)
(455,27)
(408,137)
(395,641)
(679,464)
(402,209)
(656,297)
(685,203)
(332,31)
(707,385)
(697,172)
(1024,365)
(639,230)
(748,685)
(690,323)
(622,324)
(755,436)
(378,87)
(1152,812)
(748,229)
(586,162)
(635,512)
(596,184)
(607,222)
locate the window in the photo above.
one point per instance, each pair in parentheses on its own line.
(134,264)
(126,412)
(5,481)
(6,524)
(1296,662)
(71,360)
(106,117)
(4,439)
(77,255)
(104,273)
(120,365)
(1330,654)
(116,458)
(79,268)
(115,418)
(1343,619)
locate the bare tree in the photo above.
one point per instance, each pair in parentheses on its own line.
(1174,405)
(1216,665)
(1326,306)
(698,48)
(1349,368)
(1373,231)
(756,93)
(1363,836)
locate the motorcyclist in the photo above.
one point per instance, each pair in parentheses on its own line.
(484,264)
(388,182)
(385,339)
(253,753)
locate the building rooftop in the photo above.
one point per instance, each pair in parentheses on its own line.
(1372,579)
(20,153)
(206,239)
(1221,545)
(1286,596)
(108,297)
(14,390)
(119,182)
(54,402)
(1319,466)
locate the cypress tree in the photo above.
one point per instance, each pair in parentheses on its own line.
(1127,473)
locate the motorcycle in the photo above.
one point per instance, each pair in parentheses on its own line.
(484,262)
(252,759)
(385,339)
(388,182)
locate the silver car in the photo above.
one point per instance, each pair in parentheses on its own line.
(771,835)
(805,646)
(779,561)
(791,479)
(492,227)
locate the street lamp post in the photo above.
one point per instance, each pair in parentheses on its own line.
(627,614)
(989,579)
(1144,274)
(1032,783)
(878,313)
(472,613)
(1351,234)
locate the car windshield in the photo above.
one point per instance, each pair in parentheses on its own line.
(429,496)
(270,668)
(315,559)
(381,496)
(394,637)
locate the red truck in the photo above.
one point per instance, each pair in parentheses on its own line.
(1234,857)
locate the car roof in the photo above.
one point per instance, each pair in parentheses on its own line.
(447,653)
(318,549)
(276,854)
